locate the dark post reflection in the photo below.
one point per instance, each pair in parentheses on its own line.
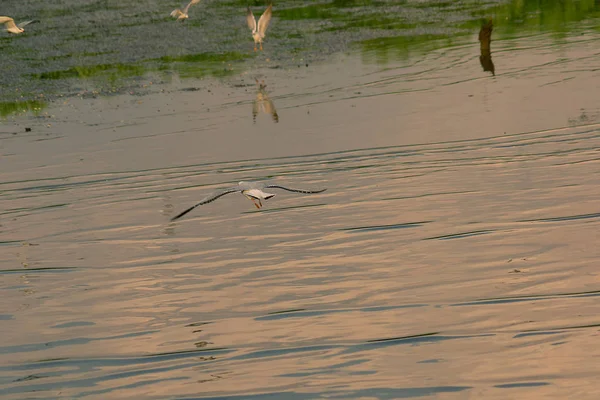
(485,37)
(263,103)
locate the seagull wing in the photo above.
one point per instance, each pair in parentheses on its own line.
(250,20)
(264,20)
(191,3)
(295,190)
(8,22)
(206,200)
(33,21)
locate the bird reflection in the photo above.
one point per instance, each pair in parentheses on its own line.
(169,230)
(263,103)
(485,37)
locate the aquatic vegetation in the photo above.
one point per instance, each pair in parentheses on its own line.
(202,64)
(84,72)
(425,31)
(387,49)
(117,45)
(315,11)
(18,107)
(205,58)
(188,65)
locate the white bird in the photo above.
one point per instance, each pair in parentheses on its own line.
(252,190)
(183,14)
(258,30)
(10,26)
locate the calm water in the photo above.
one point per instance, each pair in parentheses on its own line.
(453,256)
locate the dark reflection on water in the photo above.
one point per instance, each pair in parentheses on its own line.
(386,393)
(485,38)
(307,313)
(522,385)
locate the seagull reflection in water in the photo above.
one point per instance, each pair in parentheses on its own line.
(263,103)
(485,38)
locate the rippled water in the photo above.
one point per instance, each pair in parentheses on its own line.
(454,254)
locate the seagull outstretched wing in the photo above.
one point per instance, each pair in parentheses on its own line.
(263,22)
(208,199)
(296,190)
(191,3)
(33,21)
(250,20)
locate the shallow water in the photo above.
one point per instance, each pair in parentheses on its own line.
(454,254)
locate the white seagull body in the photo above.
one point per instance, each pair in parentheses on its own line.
(252,190)
(183,14)
(10,26)
(258,30)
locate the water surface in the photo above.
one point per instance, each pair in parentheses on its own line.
(453,255)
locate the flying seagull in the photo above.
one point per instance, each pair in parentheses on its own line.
(10,26)
(258,32)
(252,190)
(183,14)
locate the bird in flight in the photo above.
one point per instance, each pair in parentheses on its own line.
(10,26)
(252,190)
(258,30)
(183,14)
